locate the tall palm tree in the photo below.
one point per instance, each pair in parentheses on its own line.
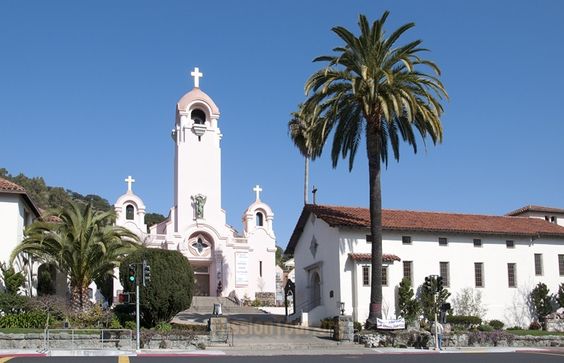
(84,245)
(306,131)
(374,87)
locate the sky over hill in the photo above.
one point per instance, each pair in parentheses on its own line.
(88,94)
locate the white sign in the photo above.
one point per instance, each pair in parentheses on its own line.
(241,269)
(390,324)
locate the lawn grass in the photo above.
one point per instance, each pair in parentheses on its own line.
(536,333)
(19,330)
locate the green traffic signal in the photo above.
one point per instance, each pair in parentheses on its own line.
(132,273)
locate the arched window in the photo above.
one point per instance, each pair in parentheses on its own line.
(198,116)
(129,212)
(259,219)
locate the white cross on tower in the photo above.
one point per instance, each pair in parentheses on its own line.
(257,189)
(129,181)
(197,75)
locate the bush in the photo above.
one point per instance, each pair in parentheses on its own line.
(535,325)
(26,320)
(485,327)
(464,321)
(408,306)
(13,304)
(94,317)
(357,326)
(194,328)
(468,302)
(496,324)
(130,324)
(163,328)
(171,286)
(542,301)
(515,328)
(327,323)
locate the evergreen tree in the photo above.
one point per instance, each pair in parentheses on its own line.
(408,306)
(542,301)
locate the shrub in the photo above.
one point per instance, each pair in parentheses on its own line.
(26,320)
(13,280)
(130,324)
(327,323)
(485,327)
(464,321)
(94,317)
(535,325)
(408,306)
(163,327)
(357,326)
(13,304)
(560,295)
(171,286)
(542,301)
(468,302)
(194,328)
(496,324)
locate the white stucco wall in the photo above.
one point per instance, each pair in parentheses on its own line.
(502,302)
(11,223)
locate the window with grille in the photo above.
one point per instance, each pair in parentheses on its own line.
(538,264)
(406,240)
(443,269)
(510,243)
(443,241)
(384,275)
(365,275)
(511,275)
(561,264)
(408,270)
(479,274)
(477,242)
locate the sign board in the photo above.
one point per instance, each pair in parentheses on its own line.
(241,269)
(390,324)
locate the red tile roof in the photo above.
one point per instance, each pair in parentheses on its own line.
(401,220)
(368,257)
(535,208)
(8,186)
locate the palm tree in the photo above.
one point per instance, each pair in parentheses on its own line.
(306,130)
(373,87)
(84,245)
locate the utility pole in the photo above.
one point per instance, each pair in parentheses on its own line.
(137,320)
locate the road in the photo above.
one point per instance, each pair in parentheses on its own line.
(520,357)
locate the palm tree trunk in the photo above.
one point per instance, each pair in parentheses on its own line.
(374,148)
(79,298)
(306,179)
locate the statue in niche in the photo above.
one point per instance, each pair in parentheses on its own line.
(199,201)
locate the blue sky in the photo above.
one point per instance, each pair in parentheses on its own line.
(88,93)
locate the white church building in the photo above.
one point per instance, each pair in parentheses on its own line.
(503,257)
(224,261)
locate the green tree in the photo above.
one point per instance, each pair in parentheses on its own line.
(306,131)
(153,218)
(431,300)
(542,300)
(84,245)
(170,288)
(408,305)
(13,280)
(376,88)
(560,295)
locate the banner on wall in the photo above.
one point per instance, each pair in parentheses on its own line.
(241,269)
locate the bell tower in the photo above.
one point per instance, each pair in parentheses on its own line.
(197,161)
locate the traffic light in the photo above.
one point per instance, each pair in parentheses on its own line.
(146,273)
(439,283)
(132,272)
(428,282)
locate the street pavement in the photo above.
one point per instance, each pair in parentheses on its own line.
(369,355)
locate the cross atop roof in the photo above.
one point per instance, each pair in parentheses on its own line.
(257,189)
(129,180)
(197,75)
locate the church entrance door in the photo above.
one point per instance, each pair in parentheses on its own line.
(201,281)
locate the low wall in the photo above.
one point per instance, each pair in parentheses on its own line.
(424,340)
(64,341)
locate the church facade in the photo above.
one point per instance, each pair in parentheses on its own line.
(225,261)
(501,258)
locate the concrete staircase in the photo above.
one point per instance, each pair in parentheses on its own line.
(204,305)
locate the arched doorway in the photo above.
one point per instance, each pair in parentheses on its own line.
(200,247)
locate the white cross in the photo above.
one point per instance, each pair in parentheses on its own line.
(257,189)
(197,74)
(129,181)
